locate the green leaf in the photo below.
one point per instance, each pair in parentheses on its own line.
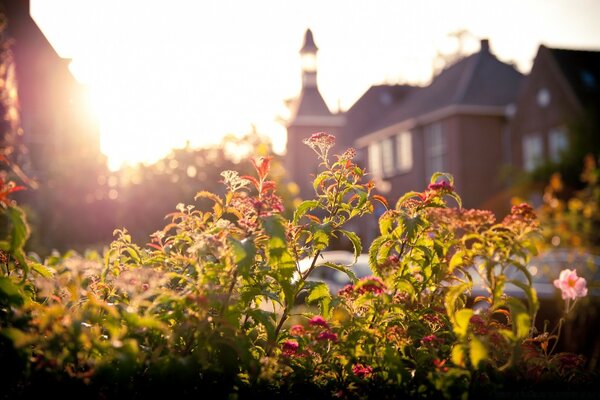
(19,338)
(461,321)
(265,318)
(520,318)
(353,237)
(477,351)
(244,253)
(133,254)
(303,208)
(318,292)
(405,197)
(20,230)
(531,294)
(320,239)
(342,268)
(445,176)
(458,355)
(454,293)
(374,250)
(404,285)
(11,291)
(386,221)
(456,261)
(42,270)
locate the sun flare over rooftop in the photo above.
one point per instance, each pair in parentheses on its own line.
(161,75)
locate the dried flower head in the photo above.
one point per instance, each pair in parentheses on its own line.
(320,142)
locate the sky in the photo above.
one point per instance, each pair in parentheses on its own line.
(165,73)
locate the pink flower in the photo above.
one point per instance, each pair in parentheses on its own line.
(361,370)
(443,185)
(289,347)
(571,285)
(318,321)
(297,330)
(431,340)
(328,336)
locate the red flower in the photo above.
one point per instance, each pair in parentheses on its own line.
(370,284)
(289,347)
(317,320)
(443,185)
(431,340)
(327,335)
(362,371)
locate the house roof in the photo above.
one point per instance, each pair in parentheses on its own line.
(477,80)
(581,68)
(374,104)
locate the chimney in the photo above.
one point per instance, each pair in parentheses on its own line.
(485,46)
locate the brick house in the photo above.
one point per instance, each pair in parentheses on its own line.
(559,98)
(457,124)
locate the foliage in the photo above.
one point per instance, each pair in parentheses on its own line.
(213,300)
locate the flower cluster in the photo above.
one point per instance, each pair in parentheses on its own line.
(321,143)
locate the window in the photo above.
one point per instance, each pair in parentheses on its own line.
(435,145)
(532,151)
(375,159)
(558,142)
(404,151)
(387,156)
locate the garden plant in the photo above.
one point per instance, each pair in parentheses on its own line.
(211,303)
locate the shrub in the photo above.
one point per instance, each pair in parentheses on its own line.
(211,303)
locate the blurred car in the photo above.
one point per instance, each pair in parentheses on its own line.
(333,278)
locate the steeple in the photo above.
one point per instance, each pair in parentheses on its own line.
(308,54)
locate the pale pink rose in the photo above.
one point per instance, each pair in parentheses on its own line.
(571,285)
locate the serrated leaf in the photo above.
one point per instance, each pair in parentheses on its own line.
(456,261)
(342,268)
(405,197)
(355,240)
(303,208)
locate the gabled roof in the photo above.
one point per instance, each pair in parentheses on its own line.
(374,104)
(477,80)
(581,68)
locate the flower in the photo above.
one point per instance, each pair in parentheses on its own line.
(289,347)
(442,185)
(317,320)
(320,142)
(370,284)
(328,336)
(297,330)
(571,285)
(431,340)
(361,370)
